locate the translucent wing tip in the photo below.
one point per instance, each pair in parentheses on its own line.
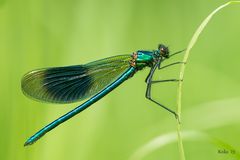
(32,84)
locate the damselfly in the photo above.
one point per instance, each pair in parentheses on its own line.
(95,80)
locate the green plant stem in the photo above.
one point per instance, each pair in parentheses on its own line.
(182,70)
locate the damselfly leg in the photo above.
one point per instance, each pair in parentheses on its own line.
(149,82)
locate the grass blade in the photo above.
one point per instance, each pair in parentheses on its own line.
(182,69)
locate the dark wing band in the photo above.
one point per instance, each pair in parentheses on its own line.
(73,83)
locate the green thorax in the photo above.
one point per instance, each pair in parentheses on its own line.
(144,58)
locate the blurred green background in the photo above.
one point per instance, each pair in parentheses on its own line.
(37,34)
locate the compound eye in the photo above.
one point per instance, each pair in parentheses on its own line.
(162,50)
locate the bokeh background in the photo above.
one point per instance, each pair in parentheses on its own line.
(47,33)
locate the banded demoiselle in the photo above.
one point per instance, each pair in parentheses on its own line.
(95,80)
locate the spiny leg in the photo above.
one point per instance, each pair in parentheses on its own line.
(148,96)
(171,65)
(148,92)
(150,74)
(166,80)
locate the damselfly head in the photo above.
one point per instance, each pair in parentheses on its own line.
(163,50)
